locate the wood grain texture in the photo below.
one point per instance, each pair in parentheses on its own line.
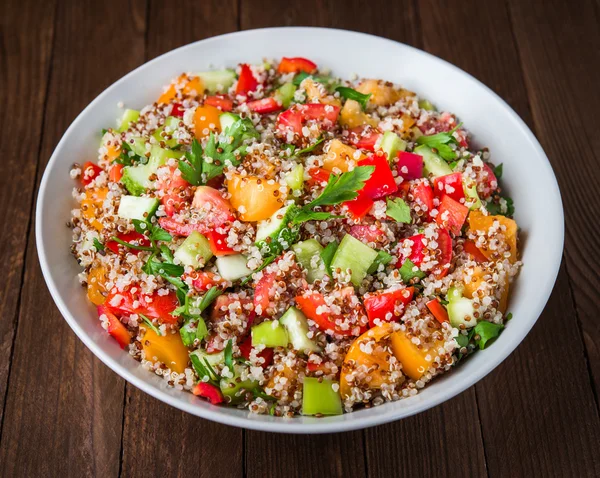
(64,409)
(176,443)
(551,397)
(24,68)
(560,62)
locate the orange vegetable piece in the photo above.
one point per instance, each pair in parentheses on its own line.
(414,360)
(189,86)
(167,349)
(90,205)
(382,93)
(254,198)
(96,289)
(476,281)
(482,223)
(407,122)
(352,115)
(112,152)
(340,156)
(206,119)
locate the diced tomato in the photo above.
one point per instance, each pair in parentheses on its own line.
(115,173)
(410,165)
(444,252)
(294,118)
(154,306)
(438,310)
(310,302)
(381,183)
(203,281)
(387,306)
(89,172)
(364,137)
(489,182)
(265,354)
(208,391)
(115,327)
(180,228)
(417,250)
(178,110)
(470,248)
(220,317)
(368,234)
(262,293)
(161,306)
(359,206)
(450,185)
(423,196)
(246,81)
(318,176)
(452,214)
(176,192)
(264,106)
(219,101)
(294,65)
(218,244)
(316,367)
(134,238)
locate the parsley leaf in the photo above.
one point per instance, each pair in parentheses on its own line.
(304,216)
(209,298)
(342,187)
(155,232)
(485,332)
(398,209)
(98,245)
(408,272)
(504,207)
(149,323)
(498,171)
(204,370)
(131,246)
(191,170)
(381,258)
(509,316)
(352,94)
(328,81)
(310,148)
(188,332)
(228,355)
(441,143)
(327,255)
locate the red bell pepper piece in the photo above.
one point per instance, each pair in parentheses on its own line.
(264,106)
(438,310)
(368,234)
(178,110)
(89,172)
(246,81)
(203,280)
(417,250)
(444,252)
(154,306)
(265,354)
(218,244)
(310,302)
(450,185)
(387,306)
(208,391)
(381,183)
(410,165)
(294,65)
(318,177)
(423,196)
(359,206)
(262,292)
(134,238)
(115,327)
(452,214)
(115,173)
(364,137)
(470,248)
(294,118)
(219,101)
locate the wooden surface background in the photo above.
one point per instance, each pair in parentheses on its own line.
(63,413)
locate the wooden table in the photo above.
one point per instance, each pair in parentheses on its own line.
(63,413)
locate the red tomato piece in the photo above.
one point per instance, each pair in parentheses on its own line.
(262,293)
(115,327)
(115,173)
(219,101)
(381,183)
(387,306)
(318,177)
(364,137)
(423,196)
(220,318)
(265,354)
(89,172)
(489,182)
(264,106)
(294,118)
(452,214)
(218,243)
(470,248)
(438,311)
(178,110)
(246,81)
(417,250)
(294,65)
(359,206)
(208,391)
(444,252)
(134,238)
(410,165)
(154,306)
(203,281)
(368,234)
(450,185)
(177,192)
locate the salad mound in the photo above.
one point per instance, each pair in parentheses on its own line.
(278,239)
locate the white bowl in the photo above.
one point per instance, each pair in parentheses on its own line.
(528,178)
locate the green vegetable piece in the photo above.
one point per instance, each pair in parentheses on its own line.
(134,207)
(234,389)
(327,256)
(382,258)
(217,81)
(352,94)
(321,397)
(398,210)
(487,333)
(391,144)
(426,105)
(171,125)
(296,325)
(471,196)
(441,143)
(409,271)
(269,333)
(279,232)
(295,178)
(352,254)
(432,163)
(129,116)
(460,309)
(285,94)
(308,255)
(195,251)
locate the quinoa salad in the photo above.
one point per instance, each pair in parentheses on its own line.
(274,238)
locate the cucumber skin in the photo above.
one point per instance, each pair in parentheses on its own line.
(305,251)
(432,163)
(354,255)
(283,236)
(297,327)
(215,78)
(265,334)
(195,244)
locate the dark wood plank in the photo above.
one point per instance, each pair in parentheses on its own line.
(64,409)
(176,443)
(25,63)
(560,62)
(526,399)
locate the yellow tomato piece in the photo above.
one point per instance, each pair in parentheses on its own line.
(112,152)
(352,115)
(90,205)
(415,361)
(482,224)
(407,122)
(476,281)
(340,156)
(382,93)
(206,119)
(317,93)
(189,86)
(254,198)
(168,95)
(96,279)
(193,87)
(167,349)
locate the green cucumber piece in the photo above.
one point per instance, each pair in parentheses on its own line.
(391,144)
(171,125)
(319,397)
(308,255)
(296,325)
(354,255)
(135,207)
(426,105)
(471,196)
(295,178)
(409,271)
(285,94)
(233,267)
(234,388)
(460,309)
(217,81)
(277,233)
(432,163)
(195,251)
(227,120)
(129,116)
(270,333)
(212,359)
(138,146)
(137,178)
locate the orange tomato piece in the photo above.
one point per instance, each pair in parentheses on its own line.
(167,349)
(254,198)
(481,223)
(476,281)
(415,361)
(96,289)
(90,205)
(189,86)
(206,120)
(112,152)
(407,122)
(352,115)
(340,156)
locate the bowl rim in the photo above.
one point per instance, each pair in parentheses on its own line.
(282,425)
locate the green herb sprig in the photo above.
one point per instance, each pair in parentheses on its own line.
(441,143)
(352,94)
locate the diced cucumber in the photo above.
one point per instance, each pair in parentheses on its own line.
(382,258)
(194,251)
(295,178)
(227,119)
(135,207)
(426,105)
(171,125)
(320,397)
(217,81)
(234,388)
(192,329)
(137,178)
(129,116)
(233,267)
(460,309)
(285,94)
(354,255)
(471,195)
(277,233)
(297,328)
(308,255)
(138,146)
(212,359)
(432,163)
(270,333)
(391,144)
(409,271)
